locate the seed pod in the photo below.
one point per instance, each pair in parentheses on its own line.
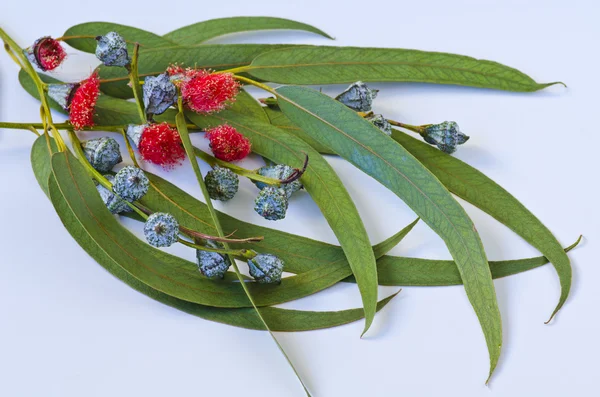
(222,183)
(134,132)
(358,97)
(271,203)
(281,172)
(380,122)
(266,268)
(46,53)
(131,183)
(61,93)
(159,93)
(212,264)
(102,153)
(161,229)
(446,136)
(111,50)
(114,204)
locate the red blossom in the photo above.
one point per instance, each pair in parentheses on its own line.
(83,102)
(48,53)
(205,92)
(227,144)
(160,144)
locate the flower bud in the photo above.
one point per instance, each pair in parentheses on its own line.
(159,93)
(134,132)
(380,122)
(131,183)
(281,172)
(271,203)
(102,153)
(446,136)
(227,143)
(61,94)
(161,229)
(212,264)
(221,183)
(114,204)
(358,97)
(266,268)
(46,53)
(112,50)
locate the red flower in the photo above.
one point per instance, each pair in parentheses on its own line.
(83,102)
(205,92)
(160,144)
(47,53)
(227,144)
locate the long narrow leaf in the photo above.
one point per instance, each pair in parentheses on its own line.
(206,30)
(324,186)
(359,142)
(336,65)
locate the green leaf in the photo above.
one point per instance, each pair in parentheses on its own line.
(156,61)
(280,319)
(92,29)
(324,186)
(337,65)
(362,144)
(42,149)
(479,190)
(474,187)
(303,255)
(280,120)
(397,271)
(206,30)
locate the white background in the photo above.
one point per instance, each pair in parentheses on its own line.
(68,328)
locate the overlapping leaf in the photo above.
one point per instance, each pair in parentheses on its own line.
(324,186)
(362,144)
(336,65)
(82,36)
(206,30)
(280,319)
(155,61)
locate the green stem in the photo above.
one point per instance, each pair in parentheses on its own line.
(256,84)
(250,174)
(189,148)
(135,83)
(419,129)
(67,126)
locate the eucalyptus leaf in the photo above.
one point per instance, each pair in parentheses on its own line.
(474,187)
(159,270)
(362,144)
(324,186)
(279,319)
(202,31)
(153,61)
(302,254)
(82,36)
(479,190)
(338,65)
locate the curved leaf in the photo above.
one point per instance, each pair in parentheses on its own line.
(324,186)
(155,61)
(362,144)
(336,65)
(479,190)
(206,30)
(280,319)
(90,30)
